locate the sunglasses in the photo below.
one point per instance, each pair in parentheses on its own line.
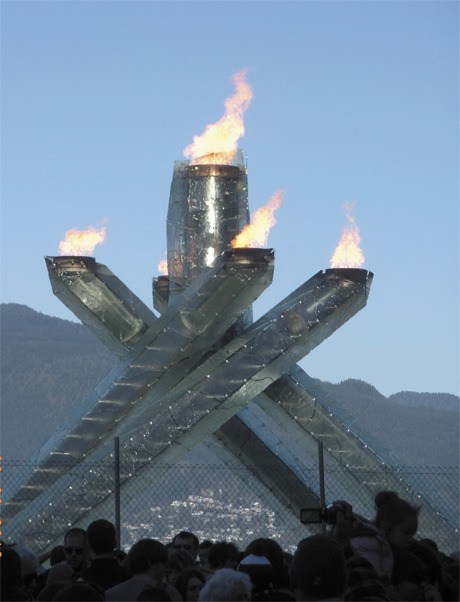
(69,550)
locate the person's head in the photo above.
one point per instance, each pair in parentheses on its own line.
(147,556)
(407,575)
(318,569)
(223,555)
(102,537)
(226,585)
(396,518)
(57,555)
(269,548)
(203,551)
(78,592)
(186,541)
(189,583)
(11,568)
(76,548)
(272,550)
(177,562)
(152,593)
(260,572)
(31,568)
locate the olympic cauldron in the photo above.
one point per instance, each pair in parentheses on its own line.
(195,371)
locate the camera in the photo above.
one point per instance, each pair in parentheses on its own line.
(319,515)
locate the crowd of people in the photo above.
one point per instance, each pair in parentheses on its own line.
(355,559)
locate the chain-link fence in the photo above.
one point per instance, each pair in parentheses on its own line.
(220,502)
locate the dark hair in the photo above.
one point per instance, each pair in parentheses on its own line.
(268,548)
(392,509)
(318,567)
(11,568)
(187,535)
(220,552)
(57,555)
(180,559)
(274,553)
(207,543)
(155,594)
(76,531)
(144,553)
(184,577)
(78,592)
(102,536)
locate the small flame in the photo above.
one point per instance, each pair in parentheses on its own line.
(255,234)
(81,242)
(163,267)
(347,253)
(219,142)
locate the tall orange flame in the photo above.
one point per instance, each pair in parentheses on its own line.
(220,139)
(348,253)
(255,234)
(81,242)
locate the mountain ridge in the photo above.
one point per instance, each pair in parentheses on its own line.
(46,374)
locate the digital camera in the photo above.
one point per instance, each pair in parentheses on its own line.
(318,515)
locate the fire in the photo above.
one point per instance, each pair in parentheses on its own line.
(347,253)
(81,242)
(255,234)
(218,143)
(163,267)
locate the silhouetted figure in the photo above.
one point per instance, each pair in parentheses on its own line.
(146,563)
(223,555)
(189,584)
(318,569)
(395,524)
(104,570)
(75,551)
(184,540)
(203,551)
(178,560)
(154,594)
(11,576)
(274,553)
(79,592)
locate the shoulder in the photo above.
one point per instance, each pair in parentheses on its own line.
(123,590)
(62,571)
(173,592)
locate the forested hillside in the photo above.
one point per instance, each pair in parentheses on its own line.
(415,434)
(49,365)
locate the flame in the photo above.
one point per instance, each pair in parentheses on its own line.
(218,143)
(81,242)
(255,234)
(347,253)
(163,267)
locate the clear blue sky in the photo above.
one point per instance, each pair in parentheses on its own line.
(353,102)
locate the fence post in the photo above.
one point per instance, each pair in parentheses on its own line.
(117,490)
(322,493)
